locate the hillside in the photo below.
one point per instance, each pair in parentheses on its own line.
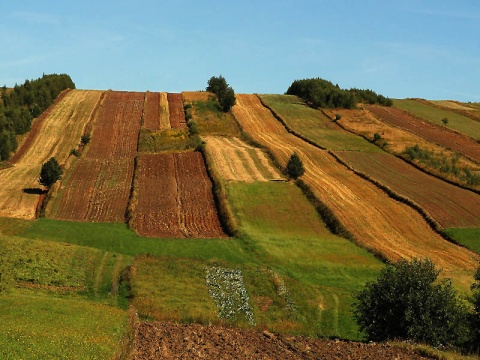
(176,221)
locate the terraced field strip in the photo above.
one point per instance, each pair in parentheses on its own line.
(237,161)
(164,112)
(115,132)
(98,188)
(426,111)
(449,205)
(58,133)
(97,191)
(174,197)
(436,134)
(314,125)
(175,108)
(151,118)
(377,221)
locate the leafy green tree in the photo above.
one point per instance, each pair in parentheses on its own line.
(475,322)
(50,173)
(225,94)
(407,303)
(295,167)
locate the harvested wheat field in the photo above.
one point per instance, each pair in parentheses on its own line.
(378,222)
(237,161)
(447,204)
(56,135)
(174,197)
(98,187)
(175,108)
(436,134)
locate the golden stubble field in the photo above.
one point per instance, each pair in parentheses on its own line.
(59,132)
(377,221)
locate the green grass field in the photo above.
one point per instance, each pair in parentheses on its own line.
(36,325)
(469,238)
(314,125)
(211,120)
(456,121)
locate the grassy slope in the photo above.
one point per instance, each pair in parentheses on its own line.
(456,122)
(314,125)
(58,300)
(469,238)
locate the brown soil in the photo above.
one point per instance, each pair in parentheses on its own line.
(437,134)
(161,340)
(151,119)
(174,197)
(175,108)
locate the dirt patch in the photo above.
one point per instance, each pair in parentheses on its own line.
(161,340)
(175,108)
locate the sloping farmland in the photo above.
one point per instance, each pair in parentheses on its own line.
(447,204)
(156,113)
(175,108)
(378,222)
(237,161)
(437,134)
(98,187)
(59,132)
(174,197)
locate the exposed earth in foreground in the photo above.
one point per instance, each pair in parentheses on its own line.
(163,340)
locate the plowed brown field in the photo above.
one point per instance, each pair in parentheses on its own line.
(377,221)
(151,119)
(116,128)
(238,161)
(98,188)
(437,134)
(57,134)
(174,197)
(449,205)
(160,340)
(175,107)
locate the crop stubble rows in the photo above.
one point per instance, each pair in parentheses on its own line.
(55,135)
(377,221)
(238,161)
(434,133)
(175,108)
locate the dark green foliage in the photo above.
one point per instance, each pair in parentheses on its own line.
(24,103)
(50,173)
(85,139)
(322,93)
(445,121)
(193,128)
(295,167)
(74,152)
(225,94)
(475,320)
(407,303)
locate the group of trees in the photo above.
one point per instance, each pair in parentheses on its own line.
(225,94)
(20,105)
(322,93)
(407,302)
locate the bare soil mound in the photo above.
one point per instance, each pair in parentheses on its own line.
(161,340)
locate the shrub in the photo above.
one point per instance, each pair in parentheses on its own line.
(406,303)
(475,320)
(85,139)
(295,167)
(50,172)
(445,121)
(74,152)
(193,128)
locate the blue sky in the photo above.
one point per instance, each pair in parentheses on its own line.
(399,48)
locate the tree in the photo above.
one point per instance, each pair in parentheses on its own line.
(406,303)
(225,94)
(475,320)
(445,121)
(50,173)
(85,139)
(295,167)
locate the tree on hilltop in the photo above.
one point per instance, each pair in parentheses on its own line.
(225,94)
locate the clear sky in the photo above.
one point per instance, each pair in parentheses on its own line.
(399,48)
